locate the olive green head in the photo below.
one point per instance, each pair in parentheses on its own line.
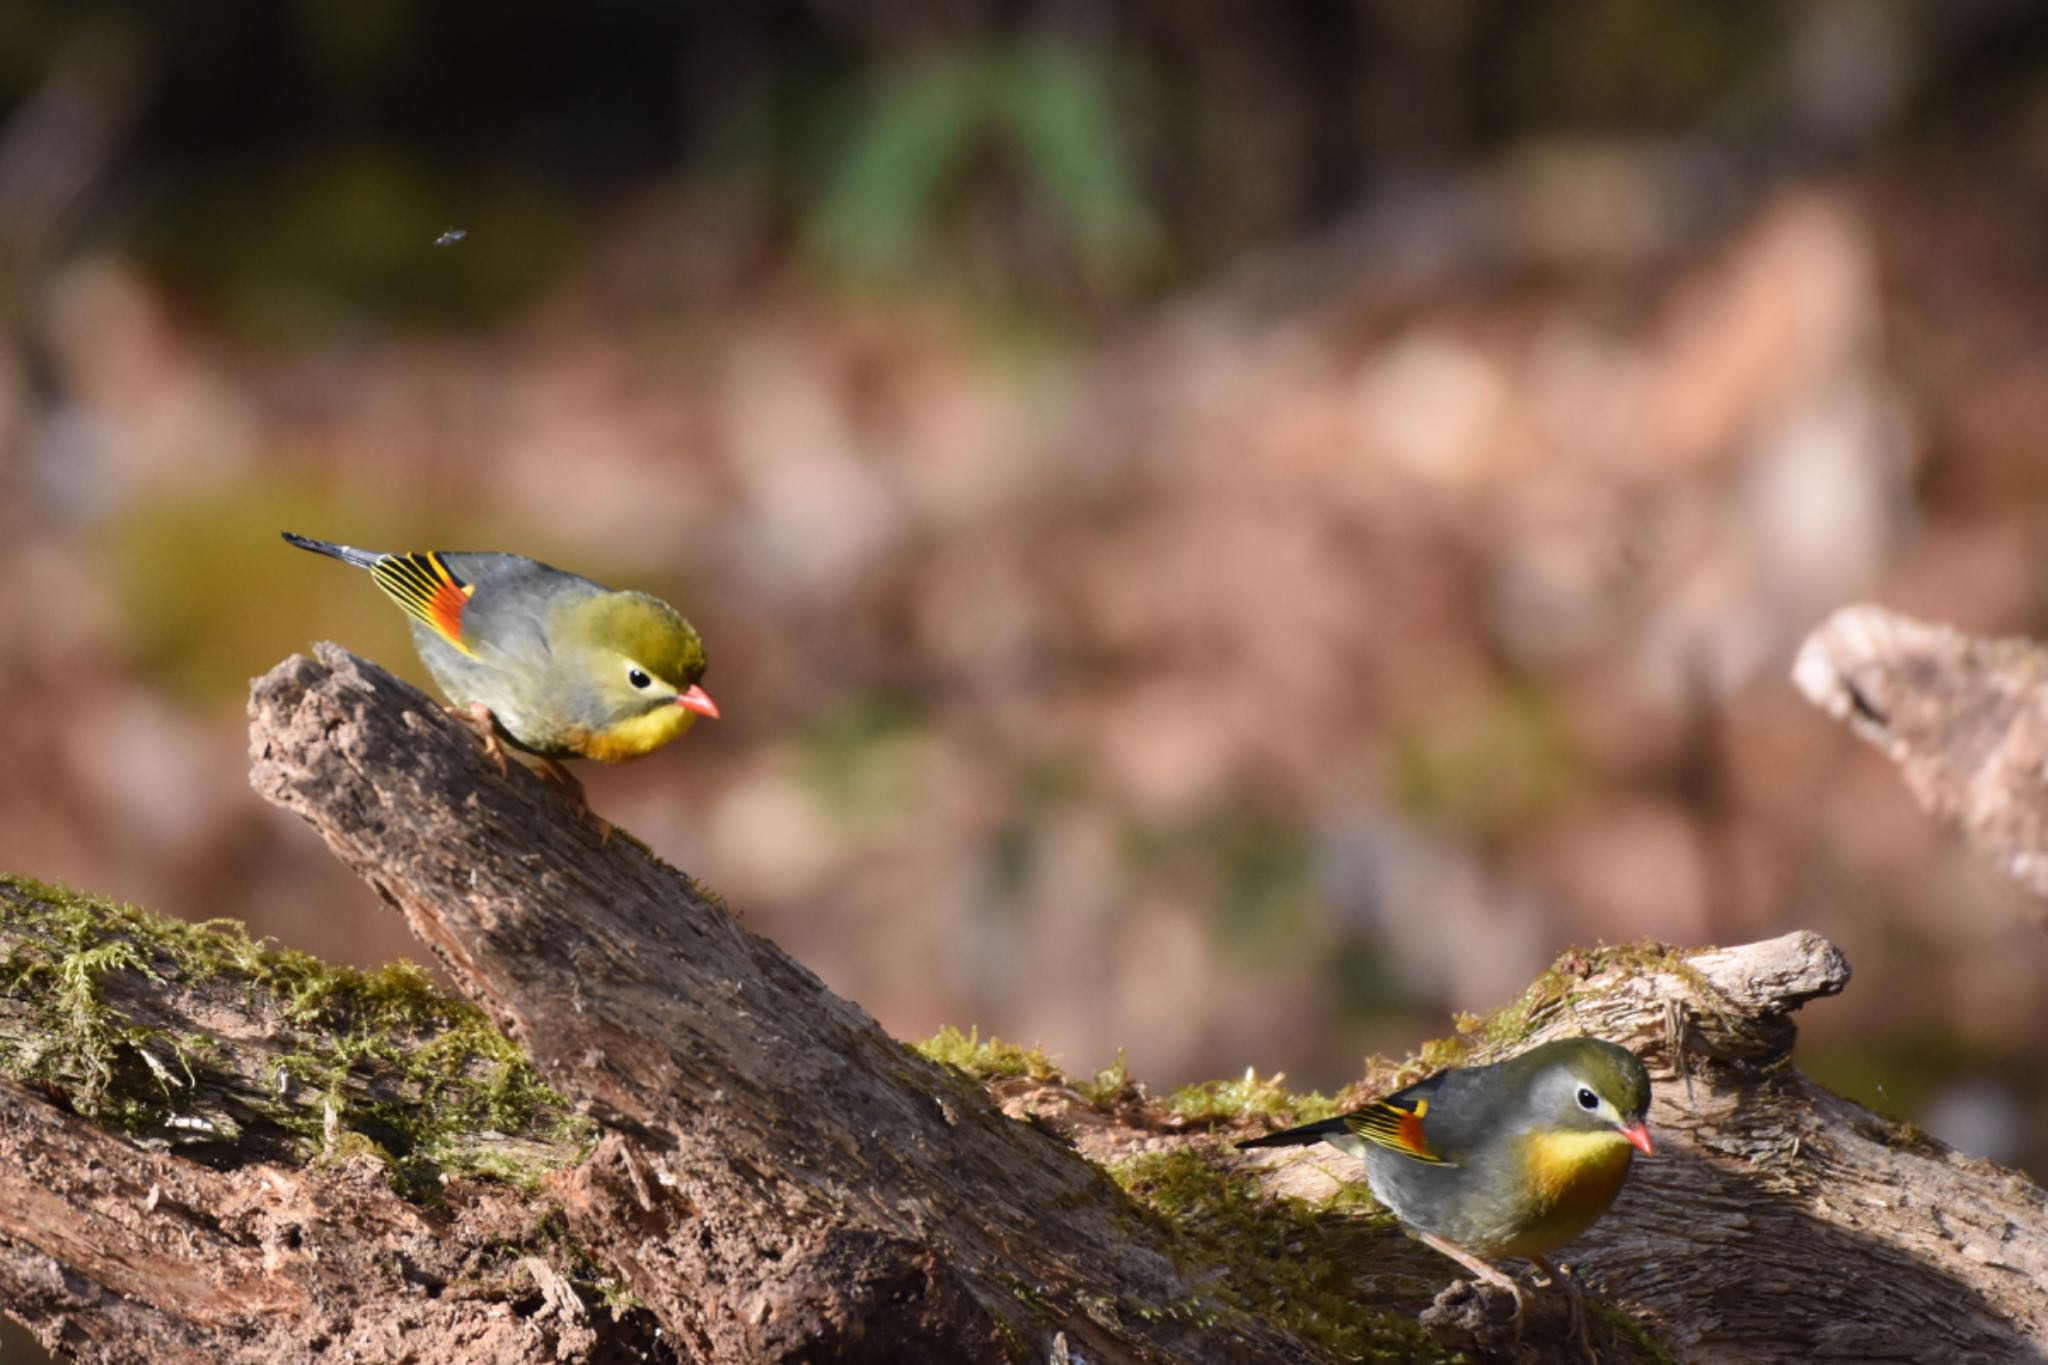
(1585,1085)
(637,664)
(642,632)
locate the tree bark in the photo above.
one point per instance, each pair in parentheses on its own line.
(779,1181)
(196,1159)
(109,1252)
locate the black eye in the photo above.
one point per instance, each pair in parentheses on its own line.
(637,677)
(1587,1099)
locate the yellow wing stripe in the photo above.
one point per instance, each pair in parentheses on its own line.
(1397,1127)
(429,592)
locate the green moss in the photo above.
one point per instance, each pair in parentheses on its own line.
(617,1299)
(1248,1096)
(1903,1135)
(448,1074)
(373,1062)
(1507,1028)
(1334,1272)
(1294,1264)
(1621,1326)
(1031,1296)
(1111,1086)
(583,1269)
(986,1060)
(1439,1053)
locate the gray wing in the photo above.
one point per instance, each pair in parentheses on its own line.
(1463,1110)
(504,628)
(507,613)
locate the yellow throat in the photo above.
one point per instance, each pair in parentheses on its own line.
(636,736)
(1573,1177)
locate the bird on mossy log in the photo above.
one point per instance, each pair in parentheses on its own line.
(544,660)
(1512,1159)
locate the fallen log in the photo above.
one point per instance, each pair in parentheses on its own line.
(773,1179)
(779,1179)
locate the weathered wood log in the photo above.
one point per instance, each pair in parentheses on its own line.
(1965,719)
(1778,1222)
(112,1252)
(777,1180)
(773,1160)
(211,1150)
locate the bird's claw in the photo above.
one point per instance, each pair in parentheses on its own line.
(478,717)
(1580,1321)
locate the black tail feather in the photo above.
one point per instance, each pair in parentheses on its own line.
(347,554)
(1296,1137)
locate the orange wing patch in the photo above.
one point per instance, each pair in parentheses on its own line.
(1391,1124)
(1411,1128)
(428,590)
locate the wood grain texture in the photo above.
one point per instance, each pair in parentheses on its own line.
(1778,1222)
(780,1180)
(113,1253)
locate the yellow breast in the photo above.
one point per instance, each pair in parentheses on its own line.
(1572,1179)
(635,737)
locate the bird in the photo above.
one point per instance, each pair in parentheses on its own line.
(1511,1159)
(548,661)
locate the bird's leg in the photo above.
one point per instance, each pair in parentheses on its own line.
(1491,1274)
(1582,1326)
(572,792)
(478,717)
(571,785)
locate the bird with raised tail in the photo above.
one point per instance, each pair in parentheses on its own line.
(547,661)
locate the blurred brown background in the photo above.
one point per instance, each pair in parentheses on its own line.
(1224,531)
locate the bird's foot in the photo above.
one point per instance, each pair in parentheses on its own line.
(478,717)
(579,801)
(1481,1322)
(1486,1271)
(1467,1317)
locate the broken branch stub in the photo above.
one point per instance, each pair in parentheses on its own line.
(1965,719)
